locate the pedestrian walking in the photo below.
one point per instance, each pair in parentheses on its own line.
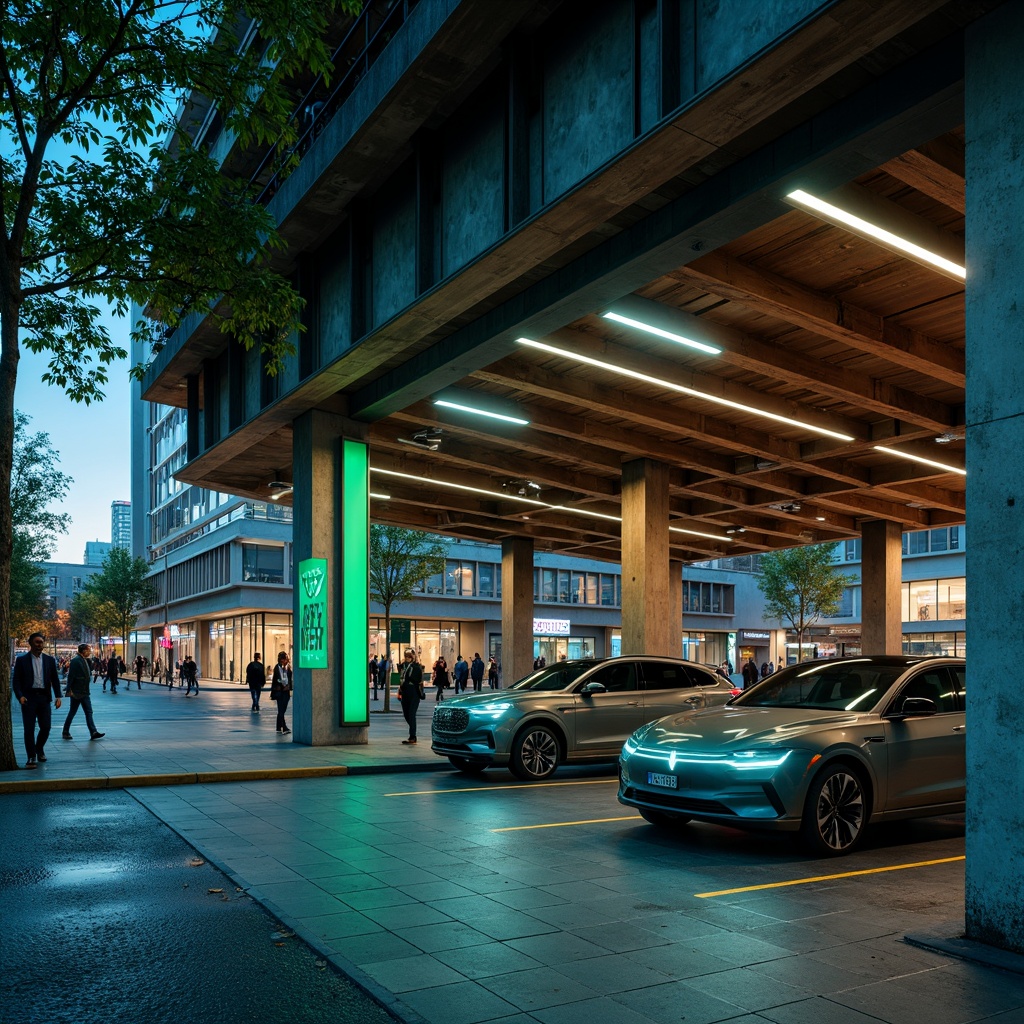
(111,674)
(460,673)
(255,679)
(373,670)
(281,689)
(476,672)
(190,673)
(156,671)
(384,667)
(492,674)
(410,692)
(35,676)
(439,677)
(79,680)
(750,673)
(140,667)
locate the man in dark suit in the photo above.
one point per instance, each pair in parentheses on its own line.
(35,675)
(79,678)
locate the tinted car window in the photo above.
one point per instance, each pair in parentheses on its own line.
(554,677)
(617,677)
(934,684)
(843,686)
(960,678)
(664,675)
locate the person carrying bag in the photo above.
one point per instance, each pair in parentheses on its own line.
(281,689)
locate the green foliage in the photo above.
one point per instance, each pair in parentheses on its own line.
(28,589)
(91,613)
(399,559)
(801,585)
(123,586)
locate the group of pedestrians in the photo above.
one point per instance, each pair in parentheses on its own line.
(36,676)
(280,685)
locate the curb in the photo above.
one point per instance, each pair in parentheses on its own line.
(38,785)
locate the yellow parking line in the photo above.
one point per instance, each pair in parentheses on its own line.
(563,824)
(827,878)
(491,789)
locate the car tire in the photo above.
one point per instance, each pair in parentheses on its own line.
(534,754)
(835,813)
(663,819)
(466,766)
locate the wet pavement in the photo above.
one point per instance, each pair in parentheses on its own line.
(108,915)
(457,900)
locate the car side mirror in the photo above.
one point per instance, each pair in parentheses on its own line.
(589,689)
(914,706)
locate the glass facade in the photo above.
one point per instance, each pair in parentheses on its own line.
(232,641)
(927,600)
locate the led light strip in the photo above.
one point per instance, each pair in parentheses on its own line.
(701,346)
(865,227)
(584,512)
(681,389)
(921,459)
(445,404)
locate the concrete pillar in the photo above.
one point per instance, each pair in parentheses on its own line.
(675,586)
(881,587)
(516,608)
(647,602)
(994,125)
(327,499)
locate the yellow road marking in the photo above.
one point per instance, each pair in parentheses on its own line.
(827,878)
(562,824)
(491,789)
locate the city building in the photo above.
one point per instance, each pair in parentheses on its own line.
(121,524)
(64,581)
(96,551)
(698,276)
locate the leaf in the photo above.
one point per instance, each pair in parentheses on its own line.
(197,862)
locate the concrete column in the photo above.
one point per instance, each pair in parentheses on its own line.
(647,602)
(317,703)
(881,587)
(675,586)
(994,125)
(516,608)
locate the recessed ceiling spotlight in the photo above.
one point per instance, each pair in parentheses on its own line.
(735,529)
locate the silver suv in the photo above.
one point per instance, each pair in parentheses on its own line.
(573,711)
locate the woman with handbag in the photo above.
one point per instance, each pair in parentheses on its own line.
(281,689)
(410,692)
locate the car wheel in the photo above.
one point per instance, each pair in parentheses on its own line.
(833,822)
(534,753)
(663,819)
(466,766)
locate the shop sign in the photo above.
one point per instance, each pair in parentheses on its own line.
(844,631)
(749,635)
(550,627)
(313,613)
(401,631)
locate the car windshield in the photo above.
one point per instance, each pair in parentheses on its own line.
(824,686)
(553,677)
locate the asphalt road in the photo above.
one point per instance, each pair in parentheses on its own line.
(107,915)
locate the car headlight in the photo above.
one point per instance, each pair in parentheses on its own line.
(634,741)
(772,757)
(492,710)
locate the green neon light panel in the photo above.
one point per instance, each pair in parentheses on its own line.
(355,554)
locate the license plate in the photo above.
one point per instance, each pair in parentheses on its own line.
(665,781)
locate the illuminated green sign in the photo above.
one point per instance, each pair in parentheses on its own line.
(313,613)
(355,572)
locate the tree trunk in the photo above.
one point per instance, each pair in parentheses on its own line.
(9,356)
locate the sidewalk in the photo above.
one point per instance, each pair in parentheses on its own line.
(158,737)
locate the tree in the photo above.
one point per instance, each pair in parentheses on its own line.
(800,585)
(107,198)
(123,585)
(399,559)
(36,482)
(91,613)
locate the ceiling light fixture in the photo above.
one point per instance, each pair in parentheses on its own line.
(697,533)
(679,339)
(279,488)
(445,403)
(680,388)
(921,459)
(429,439)
(844,218)
(786,506)
(585,512)
(735,529)
(380,497)
(949,437)
(520,487)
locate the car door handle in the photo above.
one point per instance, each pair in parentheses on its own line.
(959,728)
(632,703)
(693,700)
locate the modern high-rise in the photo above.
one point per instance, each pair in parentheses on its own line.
(121,524)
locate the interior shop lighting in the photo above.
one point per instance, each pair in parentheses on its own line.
(921,459)
(679,339)
(837,215)
(542,505)
(445,403)
(681,389)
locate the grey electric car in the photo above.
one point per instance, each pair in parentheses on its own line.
(572,711)
(820,748)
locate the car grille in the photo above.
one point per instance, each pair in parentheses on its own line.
(677,803)
(450,720)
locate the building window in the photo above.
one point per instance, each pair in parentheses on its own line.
(262,563)
(845,604)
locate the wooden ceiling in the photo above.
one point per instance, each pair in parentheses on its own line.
(817,324)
